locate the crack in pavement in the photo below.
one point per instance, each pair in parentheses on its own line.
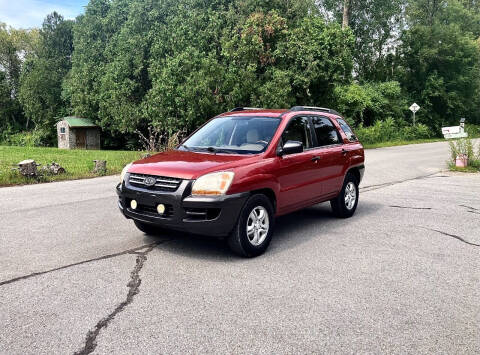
(108,256)
(471,209)
(133,289)
(387,184)
(453,236)
(411,208)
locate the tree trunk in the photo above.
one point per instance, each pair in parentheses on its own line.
(347,4)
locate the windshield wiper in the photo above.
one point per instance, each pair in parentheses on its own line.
(184,146)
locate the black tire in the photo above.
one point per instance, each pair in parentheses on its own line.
(147,228)
(339,205)
(238,240)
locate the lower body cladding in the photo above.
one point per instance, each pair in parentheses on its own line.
(178,210)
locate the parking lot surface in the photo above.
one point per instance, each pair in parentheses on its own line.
(401,276)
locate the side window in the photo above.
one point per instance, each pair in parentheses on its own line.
(62,129)
(325,131)
(347,130)
(298,129)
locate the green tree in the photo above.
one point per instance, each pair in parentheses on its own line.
(370,102)
(41,81)
(14,44)
(442,73)
(376,25)
(441,60)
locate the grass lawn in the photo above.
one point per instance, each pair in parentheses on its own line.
(78,163)
(396,143)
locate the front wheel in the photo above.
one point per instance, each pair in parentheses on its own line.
(345,204)
(253,232)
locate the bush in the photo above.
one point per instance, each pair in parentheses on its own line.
(391,131)
(472,130)
(464,147)
(370,102)
(35,138)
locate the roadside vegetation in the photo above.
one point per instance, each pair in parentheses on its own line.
(173,64)
(77,163)
(388,133)
(160,69)
(464,149)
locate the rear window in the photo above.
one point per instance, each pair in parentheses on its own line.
(347,130)
(325,131)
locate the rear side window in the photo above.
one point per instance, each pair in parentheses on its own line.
(325,131)
(298,130)
(347,130)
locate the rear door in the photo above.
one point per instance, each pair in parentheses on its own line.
(296,172)
(331,154)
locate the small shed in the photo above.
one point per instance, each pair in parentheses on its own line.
(78,133)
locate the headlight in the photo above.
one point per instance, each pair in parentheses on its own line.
(213,183)
(124,171)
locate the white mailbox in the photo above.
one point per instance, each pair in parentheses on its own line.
(455,131)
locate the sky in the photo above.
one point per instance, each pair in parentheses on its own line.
(30,13)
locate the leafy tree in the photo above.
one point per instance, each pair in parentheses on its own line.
(441,60)
(442,73)
(91,33)
(44,71)
(14,44)
(367,103)
(376,25)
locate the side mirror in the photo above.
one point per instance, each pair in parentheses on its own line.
(291,147)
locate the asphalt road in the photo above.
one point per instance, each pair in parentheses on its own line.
(401,276)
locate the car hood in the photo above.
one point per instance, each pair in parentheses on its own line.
(188,165)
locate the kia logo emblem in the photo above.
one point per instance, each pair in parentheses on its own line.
(149,181)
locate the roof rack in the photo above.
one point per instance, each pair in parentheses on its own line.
(244,109)
(313,108)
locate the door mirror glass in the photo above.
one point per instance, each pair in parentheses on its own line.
(291,147)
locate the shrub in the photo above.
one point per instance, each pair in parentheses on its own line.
(391,131)
(369,102)
(35,138)
(464,147)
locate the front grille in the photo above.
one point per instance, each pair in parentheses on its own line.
(162,183)
(153,210)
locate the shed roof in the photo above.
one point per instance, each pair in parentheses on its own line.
(79,122)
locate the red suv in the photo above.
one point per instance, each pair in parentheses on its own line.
(240,170)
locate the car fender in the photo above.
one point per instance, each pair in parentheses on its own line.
(256,182)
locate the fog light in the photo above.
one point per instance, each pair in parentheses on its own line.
(161,208)
(133,204)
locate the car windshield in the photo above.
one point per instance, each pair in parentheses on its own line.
(232,134)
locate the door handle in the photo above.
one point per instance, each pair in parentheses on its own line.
(344,151)
(315,158)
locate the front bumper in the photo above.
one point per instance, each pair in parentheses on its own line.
(207,215)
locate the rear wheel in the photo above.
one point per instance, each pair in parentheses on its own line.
(345,204)
(253,232)
(147,228)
